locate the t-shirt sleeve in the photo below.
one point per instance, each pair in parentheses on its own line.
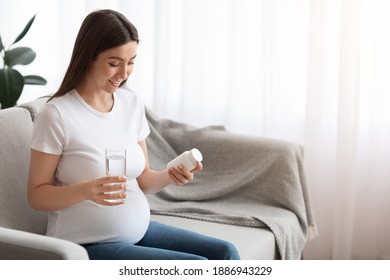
(143,128)
(48,134)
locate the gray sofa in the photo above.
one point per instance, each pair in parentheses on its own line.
(265,234)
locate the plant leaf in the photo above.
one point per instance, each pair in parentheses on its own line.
(1,45)
(34,80)
(22,55)
(25,30)
(11,87)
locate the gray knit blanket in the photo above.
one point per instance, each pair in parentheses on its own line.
(246,181)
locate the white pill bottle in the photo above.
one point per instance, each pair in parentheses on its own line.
(188,159)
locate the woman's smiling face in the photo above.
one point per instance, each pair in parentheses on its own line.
(112,67)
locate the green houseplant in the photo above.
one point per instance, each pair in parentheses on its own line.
(11,81)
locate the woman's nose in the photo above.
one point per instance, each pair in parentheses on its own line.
(122,73)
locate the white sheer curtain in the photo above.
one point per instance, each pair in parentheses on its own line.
(348,128)
(316,72)
(240,63)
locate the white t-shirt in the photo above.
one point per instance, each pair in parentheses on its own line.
(69,127)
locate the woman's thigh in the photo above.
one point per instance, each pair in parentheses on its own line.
(180,240)
(128,251)
(163,242)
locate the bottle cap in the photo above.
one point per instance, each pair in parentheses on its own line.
(196,154)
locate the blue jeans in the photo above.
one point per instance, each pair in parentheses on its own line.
(163,242)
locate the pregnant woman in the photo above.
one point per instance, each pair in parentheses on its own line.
(90,112)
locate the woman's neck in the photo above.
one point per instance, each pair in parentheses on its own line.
(99,100)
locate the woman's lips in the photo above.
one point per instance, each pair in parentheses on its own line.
(115,84)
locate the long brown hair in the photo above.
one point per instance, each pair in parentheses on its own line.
(101,30)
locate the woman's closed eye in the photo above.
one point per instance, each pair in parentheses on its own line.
(117,64)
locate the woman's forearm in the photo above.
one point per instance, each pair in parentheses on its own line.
(151,181)
(51,198)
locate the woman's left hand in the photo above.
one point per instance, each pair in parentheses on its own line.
(182,176)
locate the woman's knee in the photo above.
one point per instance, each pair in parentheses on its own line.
(230,251)
(222,250)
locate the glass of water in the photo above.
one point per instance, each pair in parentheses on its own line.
(116,162)
(115,166)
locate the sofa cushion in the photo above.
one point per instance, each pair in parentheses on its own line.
(15,137)
(251,243)
(34,106)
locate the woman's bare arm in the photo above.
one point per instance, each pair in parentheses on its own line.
(43,195)
(151,181)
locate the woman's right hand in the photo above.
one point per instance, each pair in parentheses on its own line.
(109,190)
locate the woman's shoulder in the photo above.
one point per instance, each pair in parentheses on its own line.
(52,109)
(58,102)
(49,109)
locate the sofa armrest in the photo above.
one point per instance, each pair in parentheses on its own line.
(21,245)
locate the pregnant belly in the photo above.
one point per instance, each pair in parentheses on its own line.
(88,222)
